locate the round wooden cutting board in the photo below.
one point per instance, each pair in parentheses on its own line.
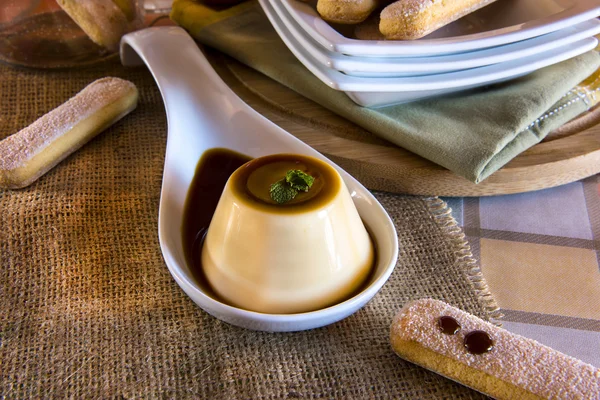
(567,155)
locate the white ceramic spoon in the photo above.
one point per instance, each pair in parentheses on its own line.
(203,113)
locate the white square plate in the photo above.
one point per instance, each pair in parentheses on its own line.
(415,66)
(502,22)
(379,92)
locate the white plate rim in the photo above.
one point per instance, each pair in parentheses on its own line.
(453,80)
(436,64)
(325,35)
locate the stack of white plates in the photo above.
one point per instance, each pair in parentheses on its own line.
(523,36)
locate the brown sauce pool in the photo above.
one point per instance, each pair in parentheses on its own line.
(212,172)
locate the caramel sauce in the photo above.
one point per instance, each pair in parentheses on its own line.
(253,181)
(478,342)
(448,325)
(213,170)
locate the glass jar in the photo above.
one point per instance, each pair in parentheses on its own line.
(40,34)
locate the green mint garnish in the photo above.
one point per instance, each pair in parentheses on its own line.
(299,180)
(281,192)
(286,189)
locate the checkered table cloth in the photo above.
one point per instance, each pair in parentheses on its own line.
(540,255)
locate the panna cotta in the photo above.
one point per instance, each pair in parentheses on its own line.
(286,238)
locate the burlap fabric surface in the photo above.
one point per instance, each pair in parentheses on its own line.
(89,310)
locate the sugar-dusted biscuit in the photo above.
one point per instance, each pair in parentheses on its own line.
(33,151)
(413,19)
(492,360)
(346,11)
(104,21)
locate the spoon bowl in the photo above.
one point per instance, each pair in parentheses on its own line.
(203,113)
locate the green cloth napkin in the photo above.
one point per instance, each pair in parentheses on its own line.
(472,134)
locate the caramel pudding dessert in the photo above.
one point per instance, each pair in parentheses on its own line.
(285,238)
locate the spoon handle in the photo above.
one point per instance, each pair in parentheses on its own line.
(185,78)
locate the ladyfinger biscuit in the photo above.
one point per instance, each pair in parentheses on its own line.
(487,358)
(104,21)
(413,19)
(346,11)
(33,151)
